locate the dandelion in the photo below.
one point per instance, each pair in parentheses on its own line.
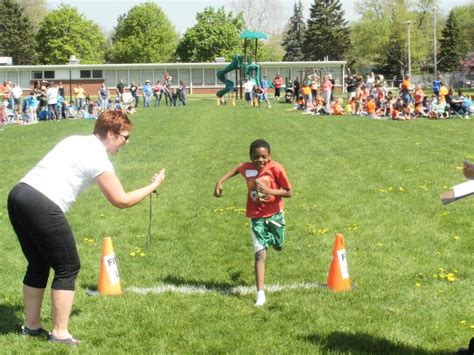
(380,245)
(463,322)
(401,189)
(459,167)
(382,190)
(417,284)
(456,237)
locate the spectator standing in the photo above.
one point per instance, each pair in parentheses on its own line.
(167,79)
(61,91)
(326,88)
(437,85)
(104,96)
(248,91)
(16,94)
(296,88)
(182,93)
(134,92)
(277,83)
(31,107)
(157,92)
(79,96)
(265,85)
(147,92)
(405,88)
(52,94)
(120,89)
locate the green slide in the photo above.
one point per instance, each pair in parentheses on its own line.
(253,72)
(229,84)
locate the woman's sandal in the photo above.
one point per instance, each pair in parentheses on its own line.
(68,341)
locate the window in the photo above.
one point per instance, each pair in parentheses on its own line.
(88,74)
(85,74)
(48,74)
(97,74)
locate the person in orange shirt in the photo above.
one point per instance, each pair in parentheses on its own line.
(337,107)
(405,88)
(419,95)
(277,83)
(370,108)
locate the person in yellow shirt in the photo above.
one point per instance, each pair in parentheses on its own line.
(79,96)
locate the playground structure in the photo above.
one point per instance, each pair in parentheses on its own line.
(243,67)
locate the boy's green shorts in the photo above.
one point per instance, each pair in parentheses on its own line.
(269,231)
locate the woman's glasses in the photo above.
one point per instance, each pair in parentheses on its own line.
(125,137)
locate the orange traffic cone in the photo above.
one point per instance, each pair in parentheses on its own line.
(109,280)
(338,278)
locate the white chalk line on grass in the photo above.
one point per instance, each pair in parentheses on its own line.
(239,290)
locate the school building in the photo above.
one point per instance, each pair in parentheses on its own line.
(200,78)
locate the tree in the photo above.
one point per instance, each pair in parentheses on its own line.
(464,16)
(143,35)
(327,34)
(453,45)
(383,19)
(293,38)
(35,10)
(392,59)
(261,15)
(65,32)
(17,34)
(216,34)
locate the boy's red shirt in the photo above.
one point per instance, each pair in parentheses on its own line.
(274,175)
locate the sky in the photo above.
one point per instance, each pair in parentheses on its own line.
(182,13)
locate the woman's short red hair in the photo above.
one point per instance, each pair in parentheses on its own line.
(111,121)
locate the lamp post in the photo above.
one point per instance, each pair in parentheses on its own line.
(408,23)
(435,47)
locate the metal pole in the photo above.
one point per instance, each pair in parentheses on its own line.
(409,49)
(435,45)
(408,23)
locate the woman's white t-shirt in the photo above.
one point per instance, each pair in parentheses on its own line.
(69,169)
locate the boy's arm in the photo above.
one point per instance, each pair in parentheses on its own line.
(281,192)
(227,176)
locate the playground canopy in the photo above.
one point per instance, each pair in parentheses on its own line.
(253,35)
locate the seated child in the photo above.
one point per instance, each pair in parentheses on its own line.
(337,107)
(406,112)
(118,105)
(370,108)
(396,109)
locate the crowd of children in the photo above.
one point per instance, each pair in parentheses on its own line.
(372,98)
(46,101)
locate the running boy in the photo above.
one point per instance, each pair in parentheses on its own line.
(267,183)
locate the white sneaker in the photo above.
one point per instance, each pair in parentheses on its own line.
(260,299)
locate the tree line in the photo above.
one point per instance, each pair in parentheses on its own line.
(376,41)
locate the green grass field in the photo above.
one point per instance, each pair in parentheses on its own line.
(376,182)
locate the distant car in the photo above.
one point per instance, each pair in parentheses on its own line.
(468,84)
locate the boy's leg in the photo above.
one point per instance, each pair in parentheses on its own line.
(260,256)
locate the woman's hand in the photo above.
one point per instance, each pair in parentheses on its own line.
(158,178)
(468,170)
